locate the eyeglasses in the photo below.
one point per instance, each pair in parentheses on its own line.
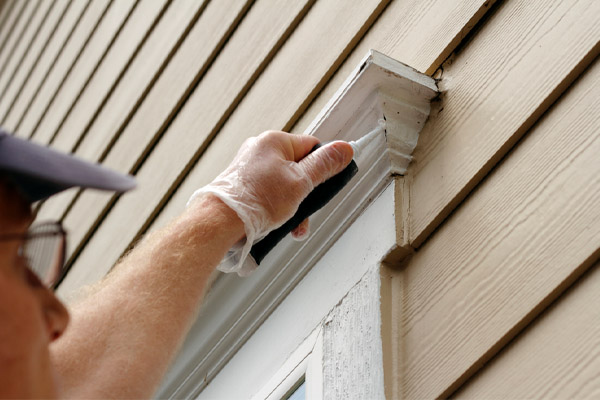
(44,246)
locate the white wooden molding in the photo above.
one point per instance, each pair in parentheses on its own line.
(379,88)
(305,361)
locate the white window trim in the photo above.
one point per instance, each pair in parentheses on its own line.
(341,293)
(235,308)
(305,361)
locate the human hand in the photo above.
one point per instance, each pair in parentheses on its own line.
(269,178)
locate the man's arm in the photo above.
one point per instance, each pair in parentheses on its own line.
(126,332)
(123,336)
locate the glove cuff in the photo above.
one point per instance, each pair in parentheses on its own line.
(238,258)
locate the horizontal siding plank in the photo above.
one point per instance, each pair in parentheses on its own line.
(557,357)
(419,34)
(190,63)
(16,22)
(6,19)
(12,19)
(10,66)
(318,37)
(26,84)
(58,102)
(36,52)
(97,90)
(141,74)
(136,121)
(60,71)
(529,230)
(493,93)
(4,10)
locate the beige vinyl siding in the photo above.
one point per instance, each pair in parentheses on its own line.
(61,68)
(52,101)
(17,42)
(102,125)
(36,52)
(557,357)
(516,66)
(527,231)
(31,77)
(29,36)
(501,203)
(6,20)
(77,112)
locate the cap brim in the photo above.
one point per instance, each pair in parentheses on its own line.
(39,172)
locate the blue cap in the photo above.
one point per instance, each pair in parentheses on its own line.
(40,172)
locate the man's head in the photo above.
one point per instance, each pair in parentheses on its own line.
(30,314)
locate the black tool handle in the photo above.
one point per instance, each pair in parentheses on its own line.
(313,202)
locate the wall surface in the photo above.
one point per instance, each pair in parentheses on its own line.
(557,356)
(503,216)
(501,200)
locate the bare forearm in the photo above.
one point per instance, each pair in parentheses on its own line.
(126,332)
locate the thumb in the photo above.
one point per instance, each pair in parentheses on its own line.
(326,161)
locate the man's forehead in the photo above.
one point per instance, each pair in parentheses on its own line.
(15,211)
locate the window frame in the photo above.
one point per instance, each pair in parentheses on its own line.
(306,361)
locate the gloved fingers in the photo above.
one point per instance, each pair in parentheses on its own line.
(326,161)
(302,231)
(293,147)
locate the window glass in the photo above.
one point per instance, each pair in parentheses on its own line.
(299,393)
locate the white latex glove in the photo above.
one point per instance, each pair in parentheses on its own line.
(267,180)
